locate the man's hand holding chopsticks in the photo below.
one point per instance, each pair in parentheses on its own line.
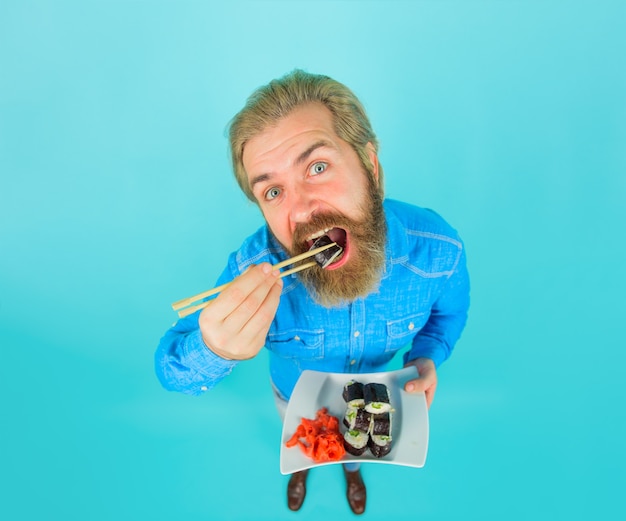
(234,325)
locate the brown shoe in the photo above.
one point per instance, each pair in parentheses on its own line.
(296,489)
(355,491)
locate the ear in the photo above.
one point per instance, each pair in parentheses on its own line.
(373,156)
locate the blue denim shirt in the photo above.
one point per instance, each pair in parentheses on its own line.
(421,304)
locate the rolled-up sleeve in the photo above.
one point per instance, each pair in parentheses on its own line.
(183,362)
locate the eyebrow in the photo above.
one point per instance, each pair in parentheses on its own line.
(299,160)
(304,156)
(258,179)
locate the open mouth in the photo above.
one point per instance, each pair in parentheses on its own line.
(332,257)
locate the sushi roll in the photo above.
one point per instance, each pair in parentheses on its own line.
(350,416)
(326,257)
(379,445)
(376,397)
(357,418)
(367,419)
(353,394)
(381,424)
(355,442)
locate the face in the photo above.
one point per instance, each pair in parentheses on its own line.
(308,182)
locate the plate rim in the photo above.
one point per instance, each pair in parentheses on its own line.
(310,377)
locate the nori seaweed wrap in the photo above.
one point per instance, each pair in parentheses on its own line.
(326,257)
(381,424)
(379,445)
(355,442)
(376,398)
(357,418)
(353,394)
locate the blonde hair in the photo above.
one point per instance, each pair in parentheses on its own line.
(272,102)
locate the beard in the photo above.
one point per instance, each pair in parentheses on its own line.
(366,238)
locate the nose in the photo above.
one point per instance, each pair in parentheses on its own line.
(303,206)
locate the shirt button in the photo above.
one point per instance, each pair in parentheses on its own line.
(296,338)
(352,362)
(411,326)
(356,334)
(204,388)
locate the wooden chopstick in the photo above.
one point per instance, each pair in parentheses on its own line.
(192,309)
(188,303)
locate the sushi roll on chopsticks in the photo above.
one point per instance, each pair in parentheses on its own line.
(326,257)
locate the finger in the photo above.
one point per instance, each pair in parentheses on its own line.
(251,318)
(255,307)
(237,335)
(249,338)
(426,381)
(422,385)
(418,385)
(430,395)
(254,333)
(240,289)
(218,325)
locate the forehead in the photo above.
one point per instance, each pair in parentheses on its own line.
(287,137)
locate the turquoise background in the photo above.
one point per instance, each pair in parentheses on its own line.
(116,199)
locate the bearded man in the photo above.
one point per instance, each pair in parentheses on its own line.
(304,151)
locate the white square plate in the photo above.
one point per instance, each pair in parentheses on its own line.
(315,390)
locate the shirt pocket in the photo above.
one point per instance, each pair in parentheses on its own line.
(298,343)
(401,332)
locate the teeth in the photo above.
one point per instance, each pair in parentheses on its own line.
(318,234)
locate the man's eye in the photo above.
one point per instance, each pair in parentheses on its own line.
(318,168)
(272,193)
